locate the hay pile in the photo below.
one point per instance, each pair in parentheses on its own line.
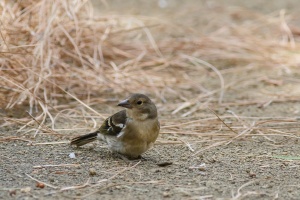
(54,50)
(56,55)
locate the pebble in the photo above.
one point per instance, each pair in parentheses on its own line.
(25,189)
(155,170)
(40,185)
(92,171)
(166,194)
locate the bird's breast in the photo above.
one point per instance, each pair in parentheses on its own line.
(135,138)
(146,130)
(139,136)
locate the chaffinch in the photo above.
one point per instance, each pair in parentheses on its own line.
(129,132)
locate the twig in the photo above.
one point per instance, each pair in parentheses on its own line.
(222,121)
(42,126)
(14,138)
(50,143)
(188,145)
(76,186)
(47,184)
(60,165)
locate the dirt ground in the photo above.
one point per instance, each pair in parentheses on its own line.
(253,167)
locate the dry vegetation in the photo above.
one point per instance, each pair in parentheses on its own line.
(60,62)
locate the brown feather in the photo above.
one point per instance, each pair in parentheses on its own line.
(84,139)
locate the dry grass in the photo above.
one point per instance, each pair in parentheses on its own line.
(59,62)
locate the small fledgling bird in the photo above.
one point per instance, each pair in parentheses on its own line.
(129,132)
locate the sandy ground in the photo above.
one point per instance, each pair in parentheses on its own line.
(254,167)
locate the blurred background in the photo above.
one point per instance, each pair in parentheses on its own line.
(75,59)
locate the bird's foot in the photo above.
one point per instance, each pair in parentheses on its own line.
(130,159)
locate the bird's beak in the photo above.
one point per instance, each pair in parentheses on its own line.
(125,103)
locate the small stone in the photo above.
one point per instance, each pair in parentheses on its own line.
(202,168)
(26,189)
(252,174)
(92,171)
(155,170)
(164,164)
(166,194)
(12,192)
(72,155)
(40,185)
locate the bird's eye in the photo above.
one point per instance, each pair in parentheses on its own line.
(139,102)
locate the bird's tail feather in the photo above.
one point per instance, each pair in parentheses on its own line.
(84,139)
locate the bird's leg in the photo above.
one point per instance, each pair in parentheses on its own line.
(130,159)
(141,158)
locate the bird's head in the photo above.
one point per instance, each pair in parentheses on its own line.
(139,107)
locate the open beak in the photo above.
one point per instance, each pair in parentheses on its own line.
(125,104)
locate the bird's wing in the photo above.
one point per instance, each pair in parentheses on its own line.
(114,124)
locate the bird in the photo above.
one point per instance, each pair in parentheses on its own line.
(129,132)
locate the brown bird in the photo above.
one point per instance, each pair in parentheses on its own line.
(130,132)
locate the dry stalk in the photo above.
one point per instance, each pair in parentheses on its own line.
(59,62)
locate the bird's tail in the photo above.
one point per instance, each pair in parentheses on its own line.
(84,139)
